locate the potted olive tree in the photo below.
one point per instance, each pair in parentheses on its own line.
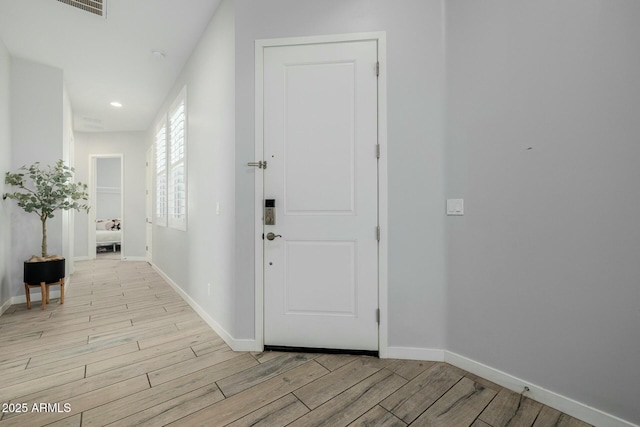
(44,190)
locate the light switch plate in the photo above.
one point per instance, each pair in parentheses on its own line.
(455,207)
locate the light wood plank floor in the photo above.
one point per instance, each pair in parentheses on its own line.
(126,350)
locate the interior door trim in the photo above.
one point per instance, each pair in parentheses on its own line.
(260,45)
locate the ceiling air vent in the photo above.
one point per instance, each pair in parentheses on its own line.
(97,7)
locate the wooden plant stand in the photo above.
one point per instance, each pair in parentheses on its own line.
(44,289)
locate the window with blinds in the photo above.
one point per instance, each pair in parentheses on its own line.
(177,197)
(171,167)
(161,175)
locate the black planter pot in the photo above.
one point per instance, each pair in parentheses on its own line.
(44,271)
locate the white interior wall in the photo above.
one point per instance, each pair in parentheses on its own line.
(543,101)
(36,136)
(201,259)
(5,166)
(132,147)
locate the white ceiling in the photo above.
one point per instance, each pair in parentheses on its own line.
(110,59)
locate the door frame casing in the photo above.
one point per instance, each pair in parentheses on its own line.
(260,45)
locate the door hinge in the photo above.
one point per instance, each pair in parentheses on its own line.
(378,315)
(378,232)
(378,68)
(260,164)
(377,151)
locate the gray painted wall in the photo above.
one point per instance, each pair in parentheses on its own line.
(132,146)
(5,166)
(415,148)
(543,144)
(203,256)
(539,278)
(36,97)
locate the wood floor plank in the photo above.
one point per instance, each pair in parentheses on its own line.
(260,373)
(174,409)
(137,356)
(279,413)
(57,366)
(335,361)
(81,403)
(509,409)
(40,324)
(354,402)
(148,365)
(122,408)
(44,347)
(132,333)
(208,346)
(41,383)
(422,392)
(169,319)
(73,421)
(19,338)
(169,373)
(409,369)
(76,351)
(329,386)
(265,356)
(17,365)
(193,337)
(550,417)
(128,314)
(379,417)
(460,406)
(248,401)
(90,330)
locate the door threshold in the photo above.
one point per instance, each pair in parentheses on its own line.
(372,353)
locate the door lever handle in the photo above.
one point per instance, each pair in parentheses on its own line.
(271,236)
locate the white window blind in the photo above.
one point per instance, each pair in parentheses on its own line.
(161,175)
(177,185)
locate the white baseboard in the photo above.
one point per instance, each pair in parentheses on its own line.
(4,307)
(562,403)
(235,344)
(412,353)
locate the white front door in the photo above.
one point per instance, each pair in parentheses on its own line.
(320,137)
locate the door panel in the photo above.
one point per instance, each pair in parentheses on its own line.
(320,134)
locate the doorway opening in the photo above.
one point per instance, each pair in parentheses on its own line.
(106,222)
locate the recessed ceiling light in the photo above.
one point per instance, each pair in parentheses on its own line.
(116,104)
